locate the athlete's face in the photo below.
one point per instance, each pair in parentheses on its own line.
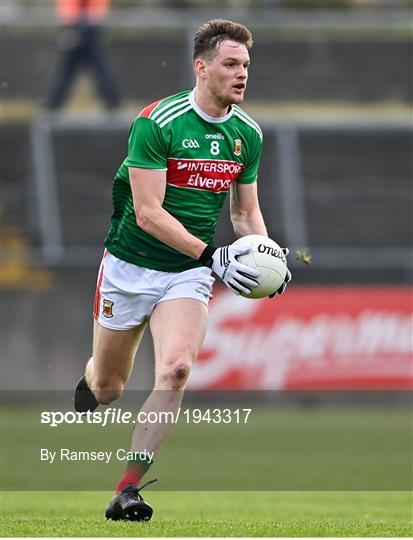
(226,73)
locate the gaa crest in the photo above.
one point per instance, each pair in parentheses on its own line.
(107,308)
(237,147)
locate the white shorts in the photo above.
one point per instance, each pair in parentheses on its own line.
(127,294)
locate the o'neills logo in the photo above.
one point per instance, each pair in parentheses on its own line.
(207,175)
(277,253)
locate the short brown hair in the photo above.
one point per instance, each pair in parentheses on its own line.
(210,35)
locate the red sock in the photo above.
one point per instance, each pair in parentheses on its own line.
(134,472)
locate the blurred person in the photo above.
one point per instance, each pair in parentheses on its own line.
(80,46)
(186,153)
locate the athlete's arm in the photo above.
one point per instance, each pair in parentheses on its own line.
(148,190)
(247,219)
(246,215)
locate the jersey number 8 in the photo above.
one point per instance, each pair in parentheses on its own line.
(214,148)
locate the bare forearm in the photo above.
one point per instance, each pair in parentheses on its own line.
(249,223)
(163,226)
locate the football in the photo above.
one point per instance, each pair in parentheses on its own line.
(267,257)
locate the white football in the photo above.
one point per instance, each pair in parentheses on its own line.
(267,257)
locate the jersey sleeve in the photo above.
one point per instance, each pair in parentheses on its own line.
(249,173)
(147,148)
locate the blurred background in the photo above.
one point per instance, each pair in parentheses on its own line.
(331,85)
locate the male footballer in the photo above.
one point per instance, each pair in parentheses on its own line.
(185,154)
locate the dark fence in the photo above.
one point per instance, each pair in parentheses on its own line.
(284,67)
(356,189)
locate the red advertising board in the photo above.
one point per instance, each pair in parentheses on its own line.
(338,337)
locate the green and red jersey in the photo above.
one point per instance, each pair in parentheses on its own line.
(202,157)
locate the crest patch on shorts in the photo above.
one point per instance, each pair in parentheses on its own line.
(107,310)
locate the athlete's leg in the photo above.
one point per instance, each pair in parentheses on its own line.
(109,368)
(178,329)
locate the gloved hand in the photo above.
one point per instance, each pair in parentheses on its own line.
(223,261)
(287,279)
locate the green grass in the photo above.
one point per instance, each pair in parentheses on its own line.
(311,472)
(279,449)
(282,514)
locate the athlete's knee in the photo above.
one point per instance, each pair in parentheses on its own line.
(107,390)
(175,373)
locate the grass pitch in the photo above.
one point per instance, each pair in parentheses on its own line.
(321,472)
(214,514)
(278,450)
